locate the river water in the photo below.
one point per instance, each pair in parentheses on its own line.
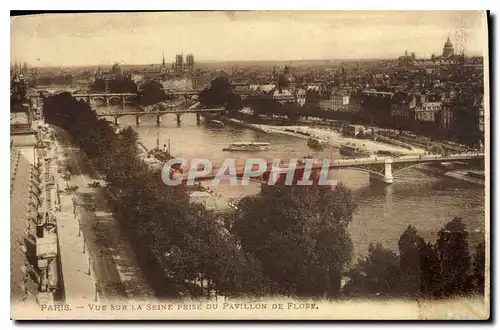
(384,211)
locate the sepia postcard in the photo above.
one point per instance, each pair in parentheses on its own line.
(256,165)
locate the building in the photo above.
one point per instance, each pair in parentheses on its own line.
(448,50)
(190,61)
(113,81)
(18,93)
(177,84)
(481,115)
(376,103)
(163,67)
(447,115)
(428,111)
(355,102)
(179,63)
(137,78)
(463,113)
(28,272)
(339,101)
(403,105)
(283,95)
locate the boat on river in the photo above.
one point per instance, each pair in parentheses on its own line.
(216,123)
(316,143)
(248,146)
(351,150)
(162,154)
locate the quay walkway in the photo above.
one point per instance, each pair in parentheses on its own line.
(76,267)
(78,283)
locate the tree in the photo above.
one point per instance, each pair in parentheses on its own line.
(455,261)
(409,261)
(151,93)
(430,279)
(377,273)
(299,235)
(219,93)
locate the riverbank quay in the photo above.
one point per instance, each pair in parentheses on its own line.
(331,137)
(392,137)
(243,124)
(466,176)
(463,175)
(92,242)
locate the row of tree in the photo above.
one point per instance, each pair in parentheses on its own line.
(123,85)
(66,79)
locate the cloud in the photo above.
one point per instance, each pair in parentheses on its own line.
(82,39)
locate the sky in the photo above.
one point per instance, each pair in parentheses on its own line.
(142,38)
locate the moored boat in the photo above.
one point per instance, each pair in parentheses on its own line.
(350,150)
(316,143)
(248,146)
(216,123)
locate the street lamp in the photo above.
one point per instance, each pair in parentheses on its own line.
(73,199)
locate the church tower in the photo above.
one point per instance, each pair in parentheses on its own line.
(163,68)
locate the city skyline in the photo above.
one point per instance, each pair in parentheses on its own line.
(238,36)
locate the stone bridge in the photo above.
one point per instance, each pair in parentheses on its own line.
(106,98)
(159,114)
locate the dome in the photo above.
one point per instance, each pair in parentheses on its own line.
(116,68)
(448,50)
(448,43)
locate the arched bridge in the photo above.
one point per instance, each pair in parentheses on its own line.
(106,98)
(123,98)
(159,114)
(380,168)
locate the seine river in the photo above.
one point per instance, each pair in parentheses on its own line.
(384,211)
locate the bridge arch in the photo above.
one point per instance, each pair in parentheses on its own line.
(398,168)
(98,99)
(129,98)
(80,98)
(115,99)
(371,168)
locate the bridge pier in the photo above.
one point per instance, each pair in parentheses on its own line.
(158,120)
(106,100)
(198,118)
(123,102)
(116,120)
(178,119)
(137,120)
(387,176)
